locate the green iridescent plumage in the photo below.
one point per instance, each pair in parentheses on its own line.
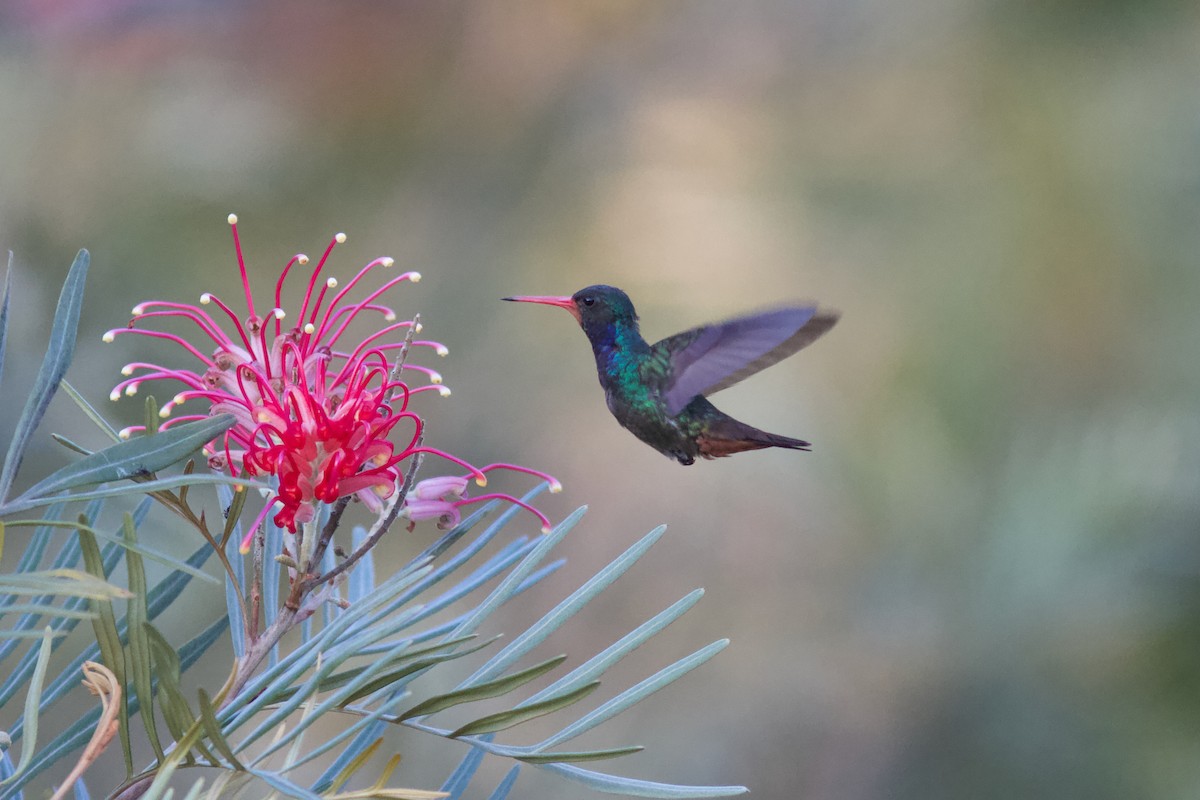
(658,391)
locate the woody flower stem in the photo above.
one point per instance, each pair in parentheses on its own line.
(258,650)
(335,517)
(377,533)
(260,646)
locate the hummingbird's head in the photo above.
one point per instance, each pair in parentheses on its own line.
(597,308)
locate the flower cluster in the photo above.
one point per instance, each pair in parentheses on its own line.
(312,412)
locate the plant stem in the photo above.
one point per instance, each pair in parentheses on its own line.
(259,649)
(377,532)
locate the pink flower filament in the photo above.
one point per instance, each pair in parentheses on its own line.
(315,415)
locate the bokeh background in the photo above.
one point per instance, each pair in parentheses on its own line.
(983,581)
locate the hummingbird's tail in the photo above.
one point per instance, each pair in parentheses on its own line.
(731,436)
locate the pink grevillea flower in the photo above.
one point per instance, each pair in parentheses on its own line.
(313,411)
(441,498)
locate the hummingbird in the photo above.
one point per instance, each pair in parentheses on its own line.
(658,392)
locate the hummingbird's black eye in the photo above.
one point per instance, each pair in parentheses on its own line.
(589,301)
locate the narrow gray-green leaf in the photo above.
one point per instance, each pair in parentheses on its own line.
(33,701)
(124,489)
(362,726)
(109,641)
(59,352)
(232,514)
(419,655)
(514,579)
(506,785)
(139,644)
(166,660)
(595,666)
(580,756)
(76,735)
(67,443)
(19,634)
(483,690)
(175,710)
(90,411)
(634,694)
(507,719)
(131,546)
(152,419)
(134,458)
(188,469)
(158,600)
(212,729)
(456,784)
(194,792)
(314,712)
(284,786)
(61,582)
(418,665)
(47,610)
(553,619)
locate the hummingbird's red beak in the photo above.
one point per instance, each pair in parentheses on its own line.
(561,302)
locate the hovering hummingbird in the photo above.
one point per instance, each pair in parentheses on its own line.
(657,392)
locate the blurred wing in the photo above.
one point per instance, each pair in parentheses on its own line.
(708,359)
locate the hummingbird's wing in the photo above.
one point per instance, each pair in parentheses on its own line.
(713,357)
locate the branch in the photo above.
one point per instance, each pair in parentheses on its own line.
(377,533)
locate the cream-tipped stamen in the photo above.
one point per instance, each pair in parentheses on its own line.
(125,433)
(231,219)
(555,487)
(108,337)
(114,395)
(276,381)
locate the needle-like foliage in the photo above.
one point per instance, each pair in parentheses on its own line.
(334,638)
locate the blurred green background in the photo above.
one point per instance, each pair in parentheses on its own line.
(983,581)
